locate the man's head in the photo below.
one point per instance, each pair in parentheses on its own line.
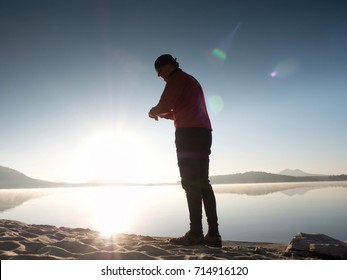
(164,64)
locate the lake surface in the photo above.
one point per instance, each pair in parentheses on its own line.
(247,212)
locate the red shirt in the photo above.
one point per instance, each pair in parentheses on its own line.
(183,101)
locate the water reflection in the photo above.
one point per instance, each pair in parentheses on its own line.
(247,212)
(289,189)
(13,198)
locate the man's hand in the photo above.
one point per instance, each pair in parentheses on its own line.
(168,116)
(152,115)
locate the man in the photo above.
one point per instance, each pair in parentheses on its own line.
(183,101)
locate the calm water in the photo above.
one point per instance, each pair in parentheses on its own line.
(247,212)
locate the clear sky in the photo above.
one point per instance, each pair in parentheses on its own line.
(77,81)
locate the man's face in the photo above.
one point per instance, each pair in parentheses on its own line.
(164,71)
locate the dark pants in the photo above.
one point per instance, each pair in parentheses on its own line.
(193,146)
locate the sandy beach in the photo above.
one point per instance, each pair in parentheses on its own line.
(46,242)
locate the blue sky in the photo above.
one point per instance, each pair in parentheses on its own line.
(77,81)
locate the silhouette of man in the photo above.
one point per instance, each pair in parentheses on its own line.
(183,101)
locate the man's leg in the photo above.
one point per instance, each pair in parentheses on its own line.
(188,169)
(208,196)
(213,237)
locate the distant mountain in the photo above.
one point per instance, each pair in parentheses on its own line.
(297,173)
(13,179)
(263,177)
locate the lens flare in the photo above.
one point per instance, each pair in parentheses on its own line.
(218,53)
(216,103)
(285,68)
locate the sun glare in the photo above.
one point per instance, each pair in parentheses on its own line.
(112,214)
(114,209)
(114,156)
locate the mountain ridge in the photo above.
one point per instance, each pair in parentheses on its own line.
(298,173)
(12,179)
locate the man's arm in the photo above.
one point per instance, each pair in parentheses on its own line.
(164,108)
(154,114)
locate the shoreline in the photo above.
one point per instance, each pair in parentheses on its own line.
(46,242)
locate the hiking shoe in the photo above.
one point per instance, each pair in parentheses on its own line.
(213,240)
(189,239)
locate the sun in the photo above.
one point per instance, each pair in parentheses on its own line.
(114,156)
(111,209)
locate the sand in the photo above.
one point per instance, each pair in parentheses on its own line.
(46,242)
